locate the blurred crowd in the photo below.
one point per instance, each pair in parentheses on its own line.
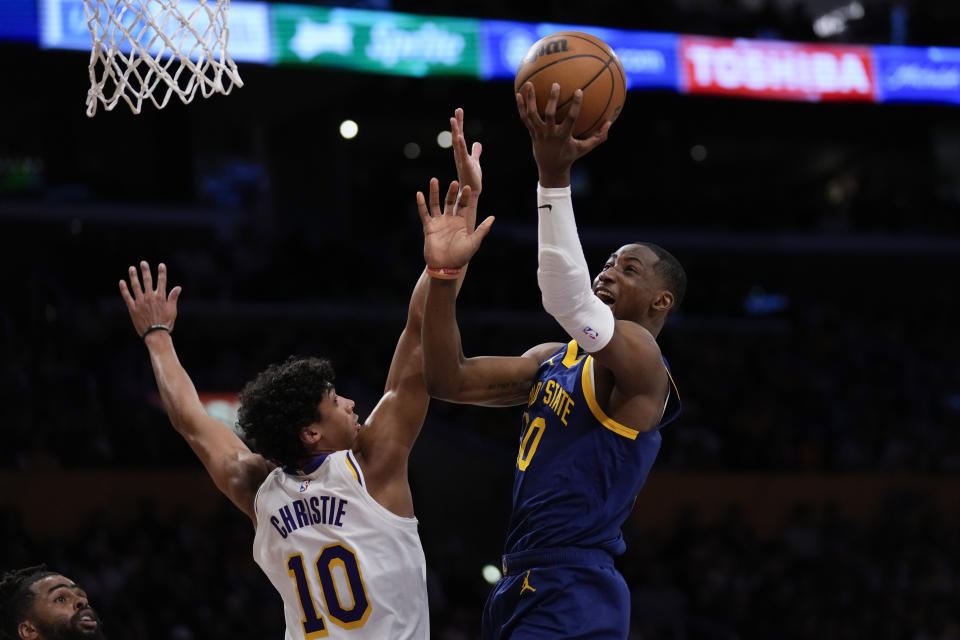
(859,371)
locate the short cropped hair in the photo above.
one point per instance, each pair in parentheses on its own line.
(279,402)
(670,269)
(16,597)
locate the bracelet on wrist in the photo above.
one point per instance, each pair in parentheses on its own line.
(155,327)
(444,273)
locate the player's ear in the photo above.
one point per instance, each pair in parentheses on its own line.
(310,434)
(26,630)
(664,301)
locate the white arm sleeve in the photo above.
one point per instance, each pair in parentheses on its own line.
(563,274)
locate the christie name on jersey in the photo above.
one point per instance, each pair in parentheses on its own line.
(304,512)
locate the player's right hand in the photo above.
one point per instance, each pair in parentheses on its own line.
(148,305)
(448,242)
(554,147)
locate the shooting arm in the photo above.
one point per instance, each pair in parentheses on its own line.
(563,275)
(235,470)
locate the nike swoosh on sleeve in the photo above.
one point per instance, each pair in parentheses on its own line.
(546,206)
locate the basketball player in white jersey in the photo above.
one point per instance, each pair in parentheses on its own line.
(329,497)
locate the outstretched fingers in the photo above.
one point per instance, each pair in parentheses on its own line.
(550,110)
(451,200)
(429,206)
(162,279)
(459,142)
(125,294)
(573,112)
(422,208)
(456,123)
(135,287)
(434,201)
(175,294)
(483,228)
(527,105)
(147,276)
(591,143)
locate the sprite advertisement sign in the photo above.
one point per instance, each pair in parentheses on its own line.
(376,41)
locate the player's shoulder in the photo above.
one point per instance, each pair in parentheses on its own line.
(543,351)
(633,360)
(636,338)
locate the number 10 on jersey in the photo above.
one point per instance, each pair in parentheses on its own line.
(330,559)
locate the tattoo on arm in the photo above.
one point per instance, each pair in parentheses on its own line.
(504,385)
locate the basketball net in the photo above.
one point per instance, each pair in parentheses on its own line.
(152,49)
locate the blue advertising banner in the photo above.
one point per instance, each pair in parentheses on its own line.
(63,25)
(649,59)
(917,74)
(18,20)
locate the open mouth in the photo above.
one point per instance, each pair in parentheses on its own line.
(87,619)
(604,295)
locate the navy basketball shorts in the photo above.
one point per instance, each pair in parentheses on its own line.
(558,593)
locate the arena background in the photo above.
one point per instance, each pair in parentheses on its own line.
(809,490)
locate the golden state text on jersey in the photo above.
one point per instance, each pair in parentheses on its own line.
(578,470)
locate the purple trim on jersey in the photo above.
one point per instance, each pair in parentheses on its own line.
(355,467)
(307,469)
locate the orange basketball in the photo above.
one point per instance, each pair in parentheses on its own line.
(576,61)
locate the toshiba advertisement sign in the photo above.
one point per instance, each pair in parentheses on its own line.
(776,70)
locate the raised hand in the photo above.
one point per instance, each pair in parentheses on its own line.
(149,306)
(448,240)
(469,173)
(554,147)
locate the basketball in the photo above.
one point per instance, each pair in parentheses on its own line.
(576,60)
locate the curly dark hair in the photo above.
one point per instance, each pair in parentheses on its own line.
(279,402)
(16,597)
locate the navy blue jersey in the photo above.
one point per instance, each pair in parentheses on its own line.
(578,470)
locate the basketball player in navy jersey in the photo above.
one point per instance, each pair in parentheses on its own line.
(39,604)
(329,498)
(590,429)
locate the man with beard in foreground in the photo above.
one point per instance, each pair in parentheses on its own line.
(39,604)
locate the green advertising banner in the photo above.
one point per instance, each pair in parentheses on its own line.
(376,41)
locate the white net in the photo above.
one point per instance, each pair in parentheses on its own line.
(152,49)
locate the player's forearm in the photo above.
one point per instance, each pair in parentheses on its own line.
(442,352)
(563,275)
(418,300)
(177,391)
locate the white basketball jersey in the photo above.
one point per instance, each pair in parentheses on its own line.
(345,566)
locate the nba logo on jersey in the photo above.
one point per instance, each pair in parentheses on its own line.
(304,485)
(591,333)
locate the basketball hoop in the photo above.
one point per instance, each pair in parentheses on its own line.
(152,49)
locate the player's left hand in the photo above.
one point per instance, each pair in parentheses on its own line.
(148,305)
(448,239)
(554,147)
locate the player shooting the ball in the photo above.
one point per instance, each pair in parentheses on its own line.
(329,497)
(593,407)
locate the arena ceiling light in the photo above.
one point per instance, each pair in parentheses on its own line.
(834,22)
